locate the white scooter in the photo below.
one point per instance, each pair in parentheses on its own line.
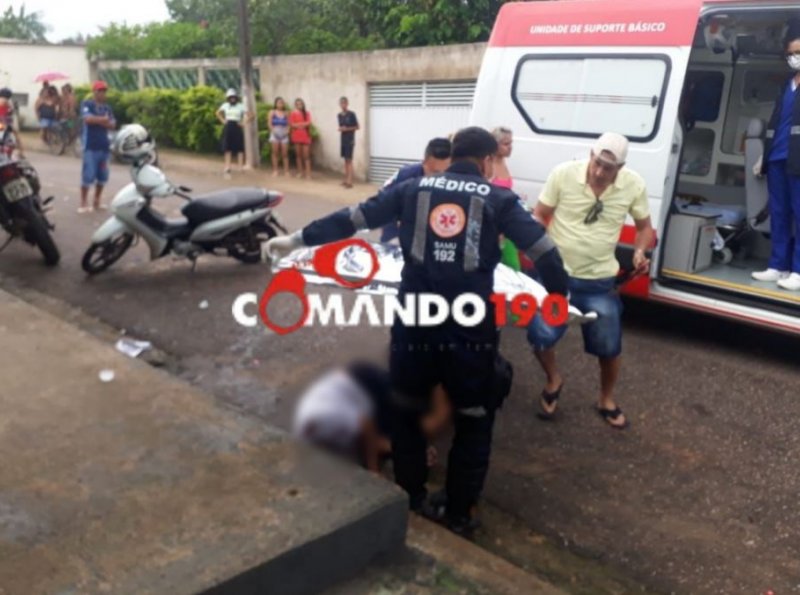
(229,222)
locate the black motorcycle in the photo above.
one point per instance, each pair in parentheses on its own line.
(22,211)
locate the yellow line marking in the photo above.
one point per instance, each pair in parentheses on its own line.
(783,296)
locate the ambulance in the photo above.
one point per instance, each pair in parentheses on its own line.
(691,84)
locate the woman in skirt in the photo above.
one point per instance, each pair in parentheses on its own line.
(232,114)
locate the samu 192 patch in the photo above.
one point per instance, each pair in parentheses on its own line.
(447,220)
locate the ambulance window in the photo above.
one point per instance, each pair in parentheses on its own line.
(763,86)
(755,87)
(577,96)
(703,96)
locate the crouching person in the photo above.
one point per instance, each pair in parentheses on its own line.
(348,412)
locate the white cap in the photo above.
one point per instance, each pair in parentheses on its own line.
(231,93)
(613,143)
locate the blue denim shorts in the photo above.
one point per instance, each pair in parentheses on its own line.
(95,168)
(601,338)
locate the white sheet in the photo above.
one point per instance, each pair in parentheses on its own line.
(355,263)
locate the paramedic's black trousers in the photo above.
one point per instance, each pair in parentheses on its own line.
(466,373)
(467,464)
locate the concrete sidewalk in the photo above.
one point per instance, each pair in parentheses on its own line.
(145,485)
(324,184)
(181,165)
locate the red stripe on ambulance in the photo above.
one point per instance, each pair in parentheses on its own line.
(597,23)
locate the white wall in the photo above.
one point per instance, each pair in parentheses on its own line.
(20,63)
(320,79)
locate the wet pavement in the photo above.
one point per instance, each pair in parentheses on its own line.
(698,496)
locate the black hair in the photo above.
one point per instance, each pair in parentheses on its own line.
(275,103)
(473,143)
(439,148)
(792,32)
(303,109)
(343,98)
(373,379)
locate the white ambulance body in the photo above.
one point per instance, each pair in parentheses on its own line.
(692,84)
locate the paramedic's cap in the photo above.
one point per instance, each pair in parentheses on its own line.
(473,142)
(99,86)
(614,143)
(439,148)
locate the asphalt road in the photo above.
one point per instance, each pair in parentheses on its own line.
(698,496)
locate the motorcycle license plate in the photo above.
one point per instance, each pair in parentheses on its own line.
(17,190)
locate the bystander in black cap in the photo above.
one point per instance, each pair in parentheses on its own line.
(473,142)
(439,148)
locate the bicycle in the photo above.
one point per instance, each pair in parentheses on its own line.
(62,135)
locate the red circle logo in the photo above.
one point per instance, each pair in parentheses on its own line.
(447,220)
(325,262)
(289,281)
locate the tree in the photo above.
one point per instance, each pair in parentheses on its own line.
(195,11)
(117,42)
(159,41)
(74,40)
(22,25)
(208,28)
(435,22)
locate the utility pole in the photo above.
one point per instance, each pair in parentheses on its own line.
(251,148)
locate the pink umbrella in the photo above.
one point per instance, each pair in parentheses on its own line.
(50,76)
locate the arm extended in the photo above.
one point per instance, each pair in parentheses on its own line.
(375,212)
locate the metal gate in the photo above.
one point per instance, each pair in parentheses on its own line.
(403,117)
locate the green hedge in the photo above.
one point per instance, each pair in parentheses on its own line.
(181,119)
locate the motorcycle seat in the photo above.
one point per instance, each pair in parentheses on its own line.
(225,202)
(170,228)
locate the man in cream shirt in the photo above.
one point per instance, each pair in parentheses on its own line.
(585,205)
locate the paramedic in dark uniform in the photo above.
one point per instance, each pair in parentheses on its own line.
(781,164)
(449,234)
(437,159)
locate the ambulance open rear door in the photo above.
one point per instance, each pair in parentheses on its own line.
(562,73)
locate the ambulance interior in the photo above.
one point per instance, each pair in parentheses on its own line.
(717,230)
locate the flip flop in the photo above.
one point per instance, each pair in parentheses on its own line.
(611,414)
(550,399)
(82,210)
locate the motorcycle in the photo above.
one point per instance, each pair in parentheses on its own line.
(22,211)
(8,142)
(230,222)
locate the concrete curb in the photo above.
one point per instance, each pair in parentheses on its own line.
(472,562)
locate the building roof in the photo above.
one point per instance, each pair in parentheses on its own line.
(11,41)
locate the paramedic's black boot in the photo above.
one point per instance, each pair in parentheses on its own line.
(465,526)
(434,507)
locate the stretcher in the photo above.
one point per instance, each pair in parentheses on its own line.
(355,264)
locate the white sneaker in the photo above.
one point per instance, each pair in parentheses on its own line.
(770,275)
(792,282)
